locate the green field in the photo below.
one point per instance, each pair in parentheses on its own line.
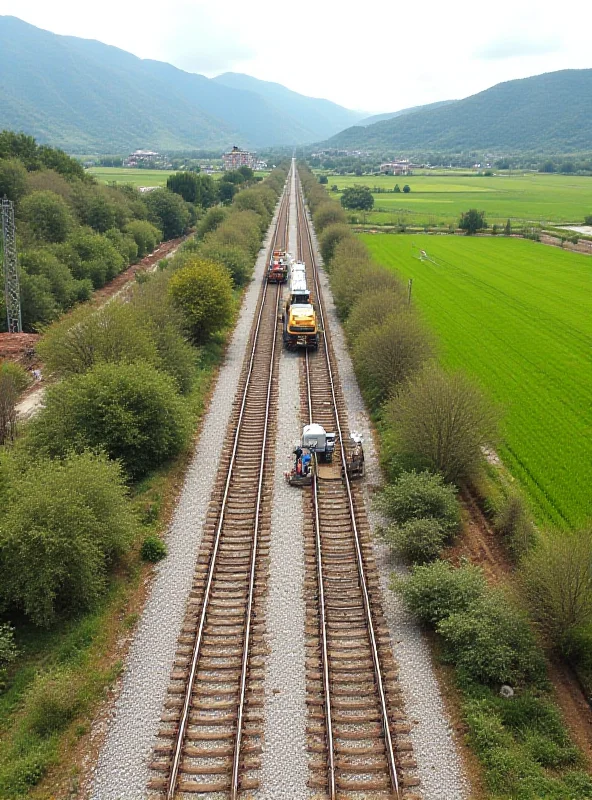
(517,316)
(437,199)
(135,177)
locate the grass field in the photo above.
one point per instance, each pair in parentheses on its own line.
(517,316)
(135,177)
(441,199)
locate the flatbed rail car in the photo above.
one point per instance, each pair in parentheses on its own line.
(279,264)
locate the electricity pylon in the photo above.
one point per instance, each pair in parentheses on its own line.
(11,281)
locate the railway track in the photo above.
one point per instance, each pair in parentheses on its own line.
(212,727)
(357,729)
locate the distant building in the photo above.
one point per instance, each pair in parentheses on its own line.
(400,167)
(239,158)
(143,158)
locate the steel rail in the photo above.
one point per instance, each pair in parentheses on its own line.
(182,730)
(359,558)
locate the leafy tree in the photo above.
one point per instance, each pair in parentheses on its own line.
(212,219)
(557,582)
(330,238)
(588,220)
(207,191)
(133,413)
(548,166)
(202,290)
(387,355)
(185,184)
(472,221)
(508,228)
(406,188)
(323,180)
(247,173)
(226,191)
(328,214)
(47,215)
(397,189)
(250,200)
(38,305)
(8,648)
(13,180)
(236,259)
(65,289)
(419,541)
(145,235)
(93,256)
(357,198)
(169,212)
(65,522)
(371,309)
(441,421)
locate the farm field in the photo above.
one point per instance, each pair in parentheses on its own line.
(135,177)
(517,316)
(441,199)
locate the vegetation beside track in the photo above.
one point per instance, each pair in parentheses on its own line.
(68,637)
(522,744)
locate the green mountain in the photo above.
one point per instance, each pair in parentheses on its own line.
(320,118)
(85,96)
(550,113)
(402,112)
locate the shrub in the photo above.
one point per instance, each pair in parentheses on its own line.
(352,278)
(491,642)
(66,520)
(513,522)
(387,355)
(330,238)
(8,399)
(251,200)
(153,549)
(145,235)
(13,179)
(202,291)
(237,260)
(211,220)
(418,495)
(441,422)
(328,213)
(372,309)
(17,375)
(556,578)
(241,228)
(418,540)
(133,412)
(52,703)
(435,591)
(87,337)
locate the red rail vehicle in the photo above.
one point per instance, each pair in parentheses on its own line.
(278,267)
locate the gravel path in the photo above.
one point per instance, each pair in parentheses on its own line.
(285,761)
(439,765)
(122,771)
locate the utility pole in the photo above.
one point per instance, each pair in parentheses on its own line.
(11,281)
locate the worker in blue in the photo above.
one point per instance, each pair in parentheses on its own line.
(305,463)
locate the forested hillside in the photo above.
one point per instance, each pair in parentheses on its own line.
(85,96)
(550,113)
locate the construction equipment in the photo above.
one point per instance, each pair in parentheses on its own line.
(279,264)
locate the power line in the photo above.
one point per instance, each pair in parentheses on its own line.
(11,281)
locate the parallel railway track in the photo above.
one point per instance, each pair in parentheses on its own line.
(357,728)
(211,736)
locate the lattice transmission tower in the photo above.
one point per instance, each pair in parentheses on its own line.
(11,281)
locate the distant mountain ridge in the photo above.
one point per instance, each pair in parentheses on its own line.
(402,112)
(85,96)
(549,113)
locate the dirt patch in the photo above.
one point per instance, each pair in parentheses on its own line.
(583,246)
(577,713)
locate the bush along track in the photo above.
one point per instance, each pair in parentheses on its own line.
(433,429)
(87,487)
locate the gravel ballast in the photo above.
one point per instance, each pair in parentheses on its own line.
(439,765)
(285,761)
(122,770)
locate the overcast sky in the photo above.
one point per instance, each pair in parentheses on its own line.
(376,57)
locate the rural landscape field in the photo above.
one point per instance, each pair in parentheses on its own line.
(131,176)
(518,317)
(440,199)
